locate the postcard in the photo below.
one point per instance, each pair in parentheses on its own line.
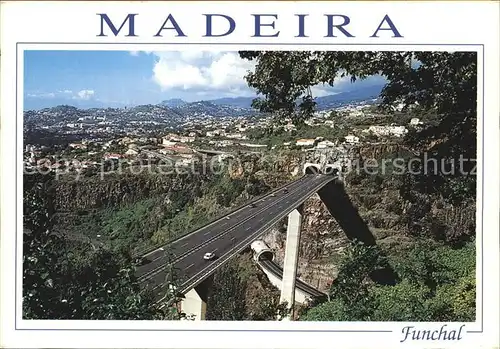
(250,174)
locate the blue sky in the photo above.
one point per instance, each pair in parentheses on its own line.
(123,78)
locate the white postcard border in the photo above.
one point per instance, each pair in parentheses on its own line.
(126,334)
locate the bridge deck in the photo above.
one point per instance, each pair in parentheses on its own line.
(225,237)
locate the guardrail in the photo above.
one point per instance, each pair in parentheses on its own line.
(195,279)
(155,271)
(277,271)
(215,220)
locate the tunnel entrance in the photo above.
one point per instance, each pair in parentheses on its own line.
(312,170)
(267,255)
(333,171)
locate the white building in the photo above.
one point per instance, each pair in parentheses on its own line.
(356,113)
(253,145)
(215,133)
(351,139)
(131,152)
(396,131)
(325,144)
(187,139)
(415,122)
(222,157)
(330,123)
(225,143)
(236,136)
(305,142)
(168,143)
(172,137)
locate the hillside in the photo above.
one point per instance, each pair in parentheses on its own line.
(137,212)
(237,106)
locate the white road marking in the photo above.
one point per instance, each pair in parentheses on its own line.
(206,233)
(189,266)
(185,244)
(156,271)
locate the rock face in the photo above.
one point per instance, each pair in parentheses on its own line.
(321,241)
(286,164)
(94,193)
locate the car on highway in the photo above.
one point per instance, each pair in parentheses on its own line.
(209,256)
(228,217)
(252,205)
(273,194)
(285,190)
(141,261)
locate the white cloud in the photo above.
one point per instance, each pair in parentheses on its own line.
(65,94)
(137,53)
(219,74)
(177,74)
(190,56)
(84,94)
(229,70)
(42,95)
(222,71)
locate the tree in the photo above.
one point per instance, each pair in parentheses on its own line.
(227,295)
(61,281)
(438,284)
(335,310)
(402,302)
(443,83)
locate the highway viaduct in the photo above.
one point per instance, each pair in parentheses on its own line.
(183,258)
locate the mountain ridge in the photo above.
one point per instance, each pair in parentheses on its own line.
(234,106)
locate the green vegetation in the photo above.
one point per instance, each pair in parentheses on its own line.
(278,136)
(442,84)
(434,206)
(63,279)
(437,284)
(70,275)
(240,292)
(134,224)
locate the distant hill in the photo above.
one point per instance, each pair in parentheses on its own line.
(240,102)
(173,103)
(212,109)
(325,102)
(34,103)
(342,98)
(238,106)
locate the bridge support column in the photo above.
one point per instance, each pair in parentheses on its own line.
(291,259)
(194,304)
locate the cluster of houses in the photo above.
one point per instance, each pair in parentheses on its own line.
(213,133)
(320,142)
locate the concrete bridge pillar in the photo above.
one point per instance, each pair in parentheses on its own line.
(194,304)
(291,259)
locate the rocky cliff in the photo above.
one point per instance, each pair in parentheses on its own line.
(115,190)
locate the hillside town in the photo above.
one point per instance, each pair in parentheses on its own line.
(89,138)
